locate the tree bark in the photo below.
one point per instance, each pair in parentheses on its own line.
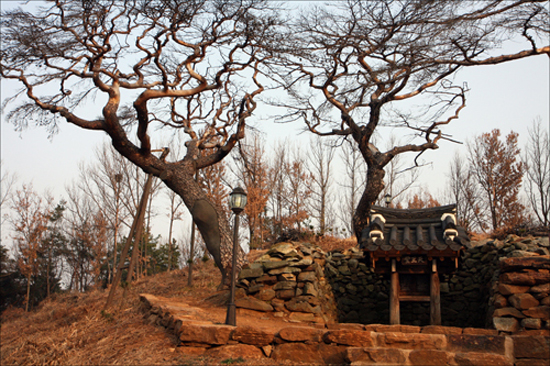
(375,185)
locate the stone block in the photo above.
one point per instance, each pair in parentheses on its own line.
(251,273)
(531,362)
(384,328)
(531,323)
(508,312)
(287,277)
(253,336)
(301,317)
(332,354)
(245,351)
(523,301)
(301,334)
(500,301)
(302,306)
(273,264)
(525,278)
(375,356)
(192,351)
(412,341)
(307,276)
(476,343)
(298,353)
(506,289)
(286,294)
(438,329)
(214,334)
(283,250)
(545,287)
(531,347)
(429,358)
(540,312)
(519,263)
(509,325)
(477,359)
(348,337)
(480,331)
(269,280)
(253,304)
(266,294)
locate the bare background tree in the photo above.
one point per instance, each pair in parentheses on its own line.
(536,159)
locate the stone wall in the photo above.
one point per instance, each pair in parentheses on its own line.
(520,291)
(353,344)
(507,280)
(288,280)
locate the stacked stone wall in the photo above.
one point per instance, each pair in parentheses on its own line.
(288,280)
(506,280)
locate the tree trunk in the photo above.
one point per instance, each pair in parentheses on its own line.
(28,293)
(373,187)
(213,227)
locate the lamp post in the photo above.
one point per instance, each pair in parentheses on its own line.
(387,199)
(237,201)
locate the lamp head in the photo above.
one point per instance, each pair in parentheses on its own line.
(237,200)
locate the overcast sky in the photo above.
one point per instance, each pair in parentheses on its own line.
(508,96)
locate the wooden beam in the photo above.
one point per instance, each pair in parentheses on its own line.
(394,294)
(419,236)
(435,297)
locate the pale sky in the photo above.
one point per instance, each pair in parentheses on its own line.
(507,96)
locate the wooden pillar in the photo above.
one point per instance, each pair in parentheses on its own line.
(394,294)
(435,297)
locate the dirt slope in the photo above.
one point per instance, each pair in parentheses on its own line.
(71,329)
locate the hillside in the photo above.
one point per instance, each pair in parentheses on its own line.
(71,329)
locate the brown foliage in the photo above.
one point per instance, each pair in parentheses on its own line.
(422,200)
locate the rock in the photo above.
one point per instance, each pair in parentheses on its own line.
(508,312)
(278,305)
(304,262)
(301,334)
(284,250)
(500,301)
(302,306)
(413,341)
(344,270)
(266,294)
(512,264)
(234,351)
(253,336)
(525,278)
(205,333)
(531,347)
(251,273)
(269,280)
(301,317)
(540,312)
(428,357)
(285,285)
(272,264)
(298,353)
(310,290)
(278,271)
(506,289)
(523,301)
(545,287)
(438,329)
(253,304)
(531,323)
(506,324)
(357,338)
(287,277)
(286,294)
(521,253)
(477,343)
(375,356)
(307,277)
(476,359)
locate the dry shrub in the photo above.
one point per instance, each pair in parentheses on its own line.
(329,243)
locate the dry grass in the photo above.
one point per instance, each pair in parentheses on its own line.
(71,329)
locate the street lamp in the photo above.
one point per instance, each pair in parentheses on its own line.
(237,201)
(387,199)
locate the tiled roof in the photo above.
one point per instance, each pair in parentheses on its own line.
(421,230)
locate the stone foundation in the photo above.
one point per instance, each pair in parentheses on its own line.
(354,344)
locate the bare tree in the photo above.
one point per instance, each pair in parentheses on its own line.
(7,182)
(360,59)
(320,158)
(190,65)
(537,171)
(464,192)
